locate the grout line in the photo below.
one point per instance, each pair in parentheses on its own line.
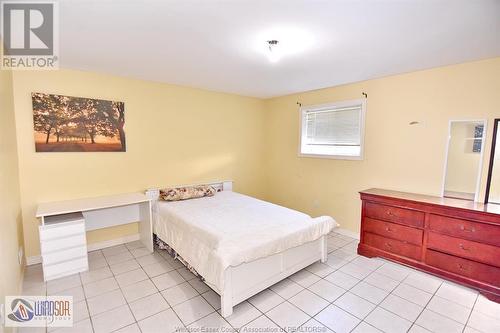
(435,295)
(121,291)
(377,306)
(172,306)
(158,292)
(85,296)
(470,313)
(264,314)
(286,301)
(425,307)
(391,293)
(399,283)
(127,303)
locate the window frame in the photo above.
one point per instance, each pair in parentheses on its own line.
(340,104)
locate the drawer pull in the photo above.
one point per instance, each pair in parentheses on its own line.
(462,267)
(390,213)
(463,228)
(388,229)
(463,247)
(388,245)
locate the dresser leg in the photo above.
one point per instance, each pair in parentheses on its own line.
(492,297)
(363,251)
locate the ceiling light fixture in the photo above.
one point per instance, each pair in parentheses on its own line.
(274,44)
(273,55)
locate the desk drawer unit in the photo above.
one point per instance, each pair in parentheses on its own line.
(63,245)
(64,255)
(454,239)
(55,271)
(62,230)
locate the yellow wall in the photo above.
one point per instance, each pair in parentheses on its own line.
(179,135)
(397,155)
(175,135)
(10,207)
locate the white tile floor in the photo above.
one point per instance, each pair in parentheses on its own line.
(129,290)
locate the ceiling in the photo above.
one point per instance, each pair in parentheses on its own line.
(220,45)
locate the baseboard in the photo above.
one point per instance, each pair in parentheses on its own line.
(33,260)
(348,233)
(112,242)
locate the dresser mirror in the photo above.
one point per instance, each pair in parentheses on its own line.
(464,159)
(493,184)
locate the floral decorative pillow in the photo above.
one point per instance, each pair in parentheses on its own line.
(184,193)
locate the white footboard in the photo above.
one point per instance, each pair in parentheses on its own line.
(245,280)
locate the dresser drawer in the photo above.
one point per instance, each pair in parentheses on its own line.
(65,255)
(63,243)
(476,231)
(393,230)
(394,246)
(463,267)
(60,230)
(394,214)
(55,271)
(487,254)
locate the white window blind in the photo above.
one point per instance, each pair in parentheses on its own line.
(333,130)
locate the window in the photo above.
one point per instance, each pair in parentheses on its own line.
(333,130)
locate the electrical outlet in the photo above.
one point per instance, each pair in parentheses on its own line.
(2,319)
(20,255)
(153,194)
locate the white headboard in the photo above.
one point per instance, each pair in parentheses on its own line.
(226,185)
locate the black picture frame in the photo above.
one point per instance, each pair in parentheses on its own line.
(492,159)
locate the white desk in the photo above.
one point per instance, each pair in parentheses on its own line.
(101,212)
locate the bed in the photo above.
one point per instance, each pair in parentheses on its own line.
(238,244)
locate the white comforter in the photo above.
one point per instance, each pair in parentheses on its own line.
(229,229)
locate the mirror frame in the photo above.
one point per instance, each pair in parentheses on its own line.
(480,171)
(492,159)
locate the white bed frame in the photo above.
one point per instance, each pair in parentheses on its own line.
(245,280)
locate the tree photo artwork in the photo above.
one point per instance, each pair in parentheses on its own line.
(77,124)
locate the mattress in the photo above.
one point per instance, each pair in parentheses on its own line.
(228,229)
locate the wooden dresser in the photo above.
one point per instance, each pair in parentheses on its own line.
(455,239)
